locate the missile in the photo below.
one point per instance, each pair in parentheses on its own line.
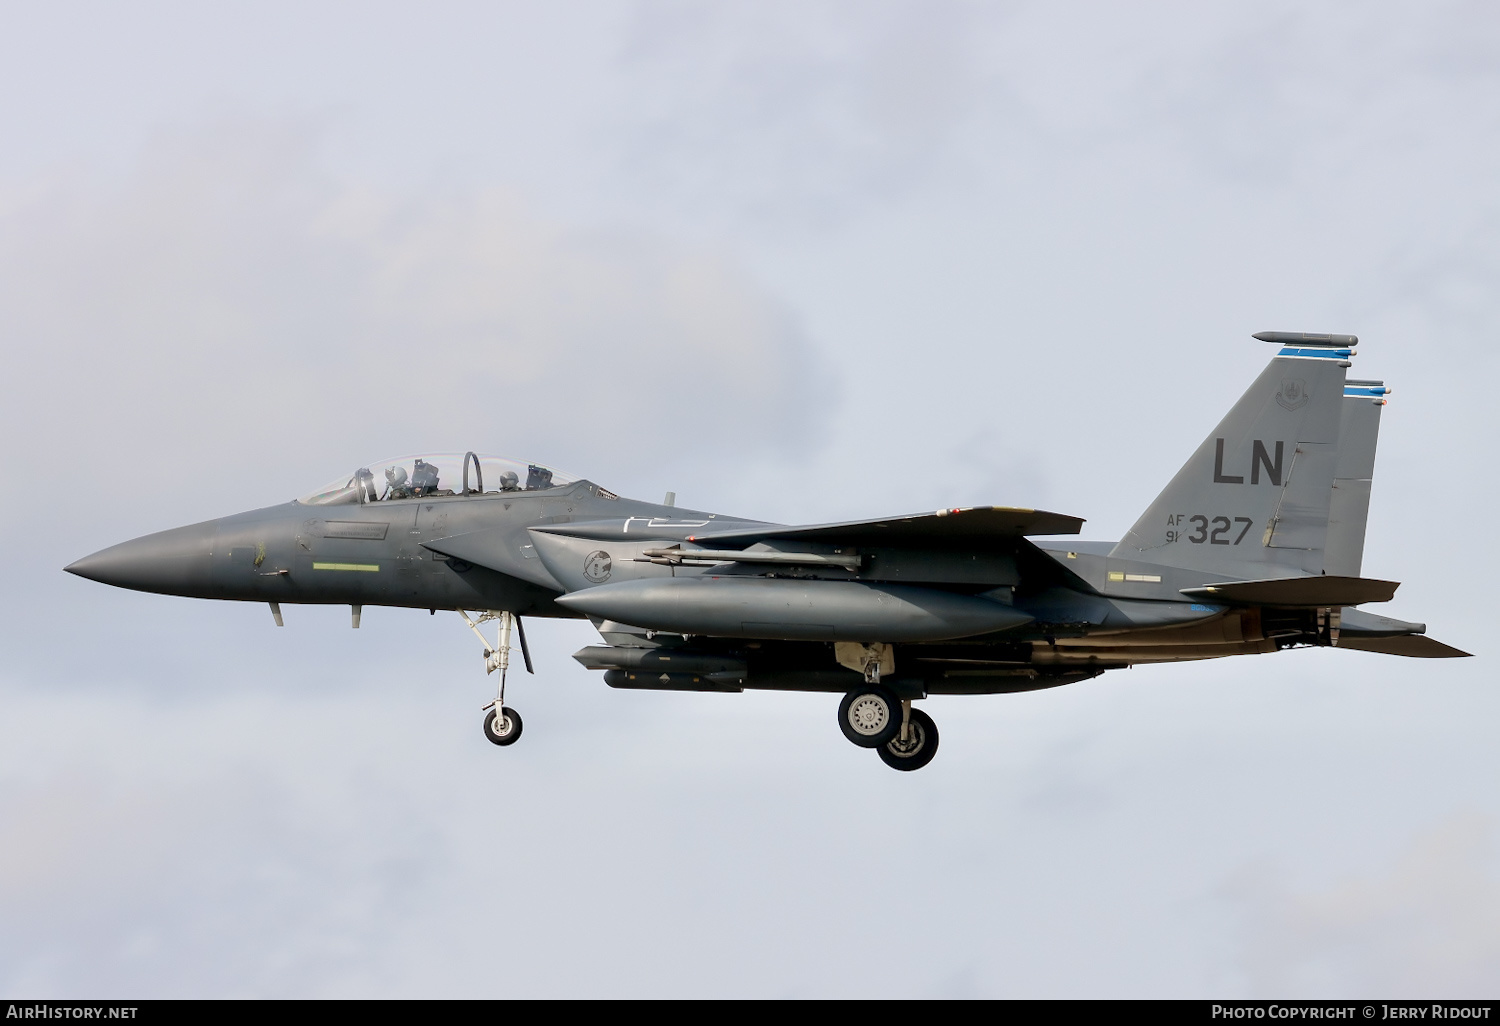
(795,610)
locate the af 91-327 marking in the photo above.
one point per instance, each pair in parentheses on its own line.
(1202,531)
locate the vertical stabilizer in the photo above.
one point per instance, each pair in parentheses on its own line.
(1359,430)
(1253,501)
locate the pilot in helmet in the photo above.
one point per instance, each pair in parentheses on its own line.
(510,481)
(395,483)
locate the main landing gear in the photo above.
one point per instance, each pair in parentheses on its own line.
(871,716)
(914,746)
(502,724)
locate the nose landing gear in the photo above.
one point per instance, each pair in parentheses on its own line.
(502,724)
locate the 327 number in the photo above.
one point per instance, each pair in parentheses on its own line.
(1212,530)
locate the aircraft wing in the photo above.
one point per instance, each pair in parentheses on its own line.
(944,527)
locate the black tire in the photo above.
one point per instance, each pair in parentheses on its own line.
(921,746)
(870,716)
(511,727)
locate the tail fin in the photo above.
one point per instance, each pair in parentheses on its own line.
(1253,501)
(1359,430)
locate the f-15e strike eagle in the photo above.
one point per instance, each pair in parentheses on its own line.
(1254,547)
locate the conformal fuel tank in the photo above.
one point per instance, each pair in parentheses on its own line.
(794,610)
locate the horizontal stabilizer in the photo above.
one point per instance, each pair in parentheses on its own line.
(946,526)
(1298,592)
(1416,646)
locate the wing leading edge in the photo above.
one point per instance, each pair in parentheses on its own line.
(966,525)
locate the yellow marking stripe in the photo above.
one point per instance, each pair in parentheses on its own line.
(366,567)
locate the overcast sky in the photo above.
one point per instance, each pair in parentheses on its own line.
(793,261)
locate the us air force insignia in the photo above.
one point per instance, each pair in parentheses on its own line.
(598,566)
(1293,394)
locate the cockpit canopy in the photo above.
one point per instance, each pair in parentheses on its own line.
(448,473)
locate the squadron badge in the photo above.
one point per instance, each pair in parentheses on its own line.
(1293,394)
(598,566)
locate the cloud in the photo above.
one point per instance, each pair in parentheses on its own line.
(229,313)
(792,112)
(1430,924)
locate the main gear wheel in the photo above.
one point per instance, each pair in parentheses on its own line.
(870,716)
(919,746)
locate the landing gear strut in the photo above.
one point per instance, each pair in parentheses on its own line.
(871,715)
(502,724)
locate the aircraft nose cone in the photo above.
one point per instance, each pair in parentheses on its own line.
(174,562)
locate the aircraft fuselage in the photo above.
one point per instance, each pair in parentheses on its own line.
(1254,546)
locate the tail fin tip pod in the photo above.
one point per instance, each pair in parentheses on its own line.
(1255,495)
(1308,338)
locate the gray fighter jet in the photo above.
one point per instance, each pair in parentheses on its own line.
(1254,547)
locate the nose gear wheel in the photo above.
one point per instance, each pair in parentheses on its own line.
(503,729)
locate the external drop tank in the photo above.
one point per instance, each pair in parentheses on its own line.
(795,610)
